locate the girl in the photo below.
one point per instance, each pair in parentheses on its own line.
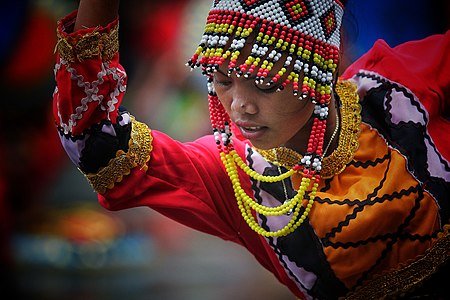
(337,185)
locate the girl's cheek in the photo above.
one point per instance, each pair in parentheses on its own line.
(225,104)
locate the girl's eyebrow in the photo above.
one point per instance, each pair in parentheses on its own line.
(221,72)
(253,76)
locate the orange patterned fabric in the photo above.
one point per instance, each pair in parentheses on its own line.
(365,211)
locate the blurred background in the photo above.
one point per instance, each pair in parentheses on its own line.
(56,241)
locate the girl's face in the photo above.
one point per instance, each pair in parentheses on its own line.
(266,117)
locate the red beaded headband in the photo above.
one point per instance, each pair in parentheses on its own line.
(306,32)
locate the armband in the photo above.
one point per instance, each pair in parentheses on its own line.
(138,155)
(99,42)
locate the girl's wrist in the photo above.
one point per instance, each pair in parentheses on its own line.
(93,13)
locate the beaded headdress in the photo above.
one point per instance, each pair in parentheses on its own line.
(292,43)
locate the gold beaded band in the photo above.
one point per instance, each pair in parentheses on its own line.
(408,277)
(90,45)
(140,148)
(348,138)
(336,162)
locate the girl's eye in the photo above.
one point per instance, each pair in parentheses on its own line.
(222,81)
(268,90)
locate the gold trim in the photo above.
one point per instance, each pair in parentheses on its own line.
(90,45)
(407,278)
(336,162)
(282,156)
(140,148)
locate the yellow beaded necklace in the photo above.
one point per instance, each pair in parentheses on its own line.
(337,160)
(246,203)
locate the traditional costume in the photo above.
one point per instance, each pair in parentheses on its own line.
(366,221)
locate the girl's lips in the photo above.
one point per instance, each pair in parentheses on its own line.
(252,132)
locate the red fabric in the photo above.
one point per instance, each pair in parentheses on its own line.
(423,67)
(94,113)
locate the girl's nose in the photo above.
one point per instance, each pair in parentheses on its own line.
(243,104)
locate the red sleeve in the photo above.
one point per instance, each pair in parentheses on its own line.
(90,81)
(186,182)
(422,67)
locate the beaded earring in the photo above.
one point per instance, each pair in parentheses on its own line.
(301,38)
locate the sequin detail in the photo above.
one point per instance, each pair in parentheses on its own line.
(90,45)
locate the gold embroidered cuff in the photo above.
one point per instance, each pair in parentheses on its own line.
(407,278)
(90,45)
(138,155)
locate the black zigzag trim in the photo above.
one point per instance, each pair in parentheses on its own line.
(358,209)
(417,126)
(395,238)
(389,197)
(385,83)
(356,164)
(441,159)
(370,163)
(384,237)
(311,257)
(327,185)
(411,140)
(385,197)
(410,96)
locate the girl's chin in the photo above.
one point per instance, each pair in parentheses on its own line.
(263,146)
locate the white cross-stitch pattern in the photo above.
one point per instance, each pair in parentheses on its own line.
(91,90)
